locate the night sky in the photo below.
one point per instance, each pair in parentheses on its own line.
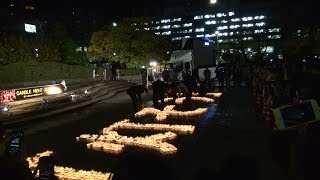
(125,8)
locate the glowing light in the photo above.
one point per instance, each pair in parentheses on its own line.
(213,1)
(53,90)
(111,142)
(153,63)
(67,172)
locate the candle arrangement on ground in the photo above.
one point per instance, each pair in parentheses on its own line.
(167,99)
(214,94)
(169,111)
(147,111)
(112,142)
(126,124)
(67,173)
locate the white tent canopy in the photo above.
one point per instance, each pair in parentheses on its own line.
(181,56)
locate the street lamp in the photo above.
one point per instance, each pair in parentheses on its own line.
(114,24)
(213,1)
(218,54)
(153,63)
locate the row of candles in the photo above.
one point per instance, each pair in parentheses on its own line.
(126,124)
(68,173)
(216,95)
(202,99)
(169,111)
(112,142)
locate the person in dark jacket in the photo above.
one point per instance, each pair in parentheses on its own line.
(135,94)
(45,168)
(190,83)
(158,92)
(207,77)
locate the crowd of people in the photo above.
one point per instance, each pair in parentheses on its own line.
(275,85)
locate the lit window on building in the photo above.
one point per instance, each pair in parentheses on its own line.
(157,33)
(199,30)
(274,36)
(210,22)
(176,20)
(157,22)
(231,13)
(247,25)
(274,30)
(207,16)
(200,35)
(176,26)
(146,24)
(147,29)
(235,26)
(187,25)
(224,21)
(259,31)
(166,27)
(166,33)
(260,24)
(222,27)
(235,20)
(157,27)
(221,15)
(186,36)
(190,30)
(231,33)
(220,40)
(225,34)
(165,20)
(210,35)
(198,17)
(262,17)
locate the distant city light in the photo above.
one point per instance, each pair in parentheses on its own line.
(30,28)
(213,1)
(114,53)
(114,24)
(153,63)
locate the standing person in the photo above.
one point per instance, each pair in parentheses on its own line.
(135,94)
(158,92)
(190,83)
(220,74)
(165,75)
(195,74)
(207,77)
(172,75)
(114,73)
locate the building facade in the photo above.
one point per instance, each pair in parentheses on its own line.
(227,26)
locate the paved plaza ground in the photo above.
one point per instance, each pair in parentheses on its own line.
(234,145)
